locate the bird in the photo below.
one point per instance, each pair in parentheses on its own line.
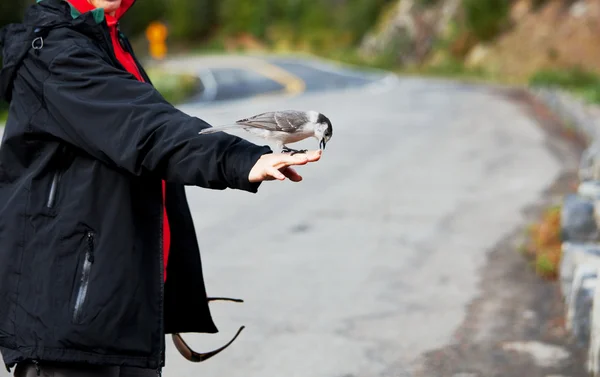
(284,127)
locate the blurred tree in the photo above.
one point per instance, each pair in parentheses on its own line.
(189,20)
(252,16)
(486,19)
(12,10)
(142,14)
(361,15)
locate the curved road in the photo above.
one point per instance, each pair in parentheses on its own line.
(226,78)
(372,261)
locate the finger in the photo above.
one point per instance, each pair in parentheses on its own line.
(314,155)
(275,173)
(287,160)
(291,174)
(310,156)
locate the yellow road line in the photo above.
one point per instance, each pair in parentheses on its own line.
(292,84)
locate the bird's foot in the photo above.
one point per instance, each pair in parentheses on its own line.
(293,151)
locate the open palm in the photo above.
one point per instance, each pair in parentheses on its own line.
(276,166)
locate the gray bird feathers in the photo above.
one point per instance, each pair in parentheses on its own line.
(283,127)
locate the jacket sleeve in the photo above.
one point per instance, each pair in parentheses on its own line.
(128,124)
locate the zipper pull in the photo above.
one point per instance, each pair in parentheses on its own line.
(119,33)
(90,239)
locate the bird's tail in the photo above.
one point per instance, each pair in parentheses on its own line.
(212,130)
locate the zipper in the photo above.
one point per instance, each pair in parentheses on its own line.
(85,278)
(109,46)
(56,177)
(121,38)
(53,190)
(124,41)
(161,362)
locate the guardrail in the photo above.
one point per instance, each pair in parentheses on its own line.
(579,273)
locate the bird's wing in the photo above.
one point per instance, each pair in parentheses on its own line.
(212,130)
(285,121)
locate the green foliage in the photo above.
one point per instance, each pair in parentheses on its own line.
(141,15)
(3,112)
(252,16)
(313,21)
(360,16)
(175,88)
(320,22)
(451,67)
(583,83)
(486,19)
(572,78)
(191,19)
(544,266)
(12,11)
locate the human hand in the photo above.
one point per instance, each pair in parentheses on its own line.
(276,166)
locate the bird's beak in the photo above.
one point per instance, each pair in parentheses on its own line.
(323,144)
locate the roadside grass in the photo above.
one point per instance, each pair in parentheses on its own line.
(582,84)
(543,245)
(175,87)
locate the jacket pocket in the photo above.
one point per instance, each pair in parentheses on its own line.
(83,281)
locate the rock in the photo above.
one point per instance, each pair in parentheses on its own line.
(580,304)
(578,220)
(593,361)
(529,315)
(583,117)
(545,355)
(409,33)
(477,55)
(578,9)
(446,14)
(589,189)
(589,166)
(519,10)
(586,165)
(398,34)
(574,255)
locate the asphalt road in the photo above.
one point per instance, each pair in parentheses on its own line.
(226,79)
(372,260)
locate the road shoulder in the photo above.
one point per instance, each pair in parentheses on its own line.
(516,325)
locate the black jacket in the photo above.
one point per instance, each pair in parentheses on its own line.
(84,151)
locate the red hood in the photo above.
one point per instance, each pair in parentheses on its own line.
(84,6)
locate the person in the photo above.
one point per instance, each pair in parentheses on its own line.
(99,258)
